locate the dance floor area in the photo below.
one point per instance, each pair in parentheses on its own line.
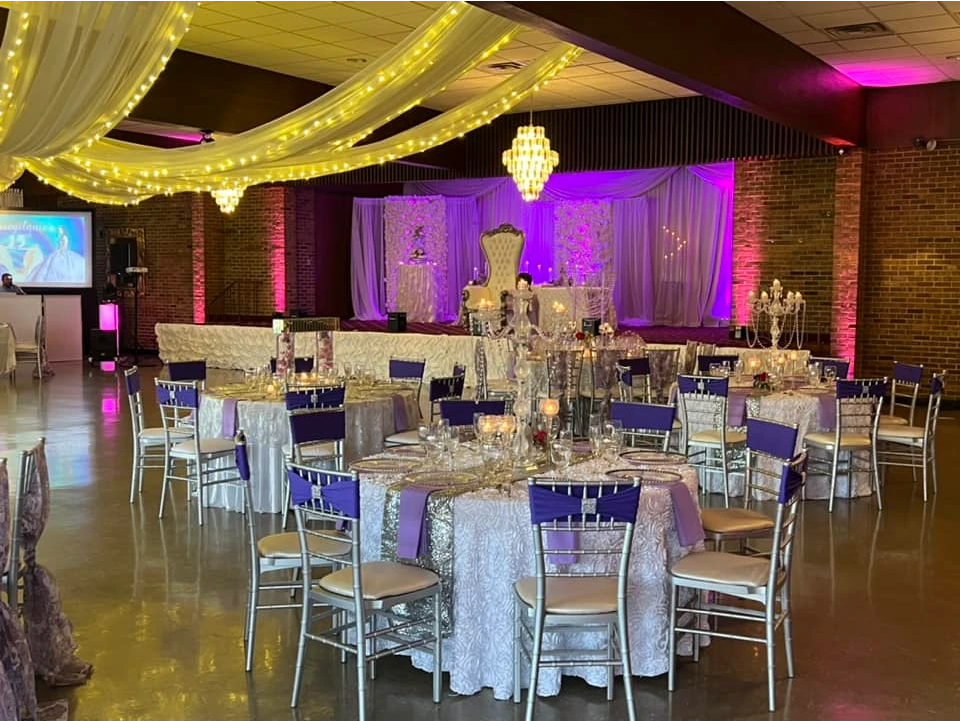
(157,606)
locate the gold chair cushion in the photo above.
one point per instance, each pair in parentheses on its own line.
(848,441)
(314,450)
(380,579)
(572,595)
(208,447)
(404,438)
(156,435)
(888,420)
(677,425)
(734,520)
(712,437)
(723,568)
(900,433)
(287,545)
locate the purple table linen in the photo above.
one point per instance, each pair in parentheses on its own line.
(229,419)
(412,538)
(686,517)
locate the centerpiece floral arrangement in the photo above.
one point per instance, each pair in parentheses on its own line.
(761,381)
(418,252)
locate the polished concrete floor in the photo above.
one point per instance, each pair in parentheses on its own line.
(157,606)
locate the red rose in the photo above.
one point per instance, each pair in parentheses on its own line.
(579,335)
(763,377)
(540,436)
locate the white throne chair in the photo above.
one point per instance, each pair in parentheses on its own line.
(502,248)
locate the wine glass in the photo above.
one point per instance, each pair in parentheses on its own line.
(562,453)
(830,373)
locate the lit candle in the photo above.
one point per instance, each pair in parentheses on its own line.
(776,283)
(549,407)
(550,273)
(488,424)
(798,296)
(474,271)
(764,296)
(751,295)
(794,355)
(508,424)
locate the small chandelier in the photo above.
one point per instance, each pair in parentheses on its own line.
(530,160)
(227,198)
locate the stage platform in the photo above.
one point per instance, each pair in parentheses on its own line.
(651,333)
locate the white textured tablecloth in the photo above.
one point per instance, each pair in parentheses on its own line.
(244,347)
(8,350)
(417,291)
(493,547)
(265,423)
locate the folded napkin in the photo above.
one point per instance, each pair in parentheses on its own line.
(686,518)
(562,541)
(737,408)
(228,424)
(412,540)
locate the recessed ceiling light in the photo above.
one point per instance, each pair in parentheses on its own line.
(357,61)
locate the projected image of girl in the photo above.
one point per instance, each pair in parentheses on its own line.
(62,265)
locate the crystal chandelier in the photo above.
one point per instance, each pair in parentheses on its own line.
(530,160)
(227,198)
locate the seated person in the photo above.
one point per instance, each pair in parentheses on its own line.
(533,310)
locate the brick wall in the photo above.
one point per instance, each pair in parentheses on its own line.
(909,276)
(783,228)
(847,245)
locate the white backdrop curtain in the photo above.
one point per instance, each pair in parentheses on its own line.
(463,251)
(654,211)
(366,259)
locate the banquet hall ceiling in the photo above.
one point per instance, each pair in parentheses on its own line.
(329,41)
(911,48)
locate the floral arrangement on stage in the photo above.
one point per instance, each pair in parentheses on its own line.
(414,228)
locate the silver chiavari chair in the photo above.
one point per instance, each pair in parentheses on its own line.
(756,580)
(359,594)
(589,595)
(905,377)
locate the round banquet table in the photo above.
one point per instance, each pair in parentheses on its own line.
(372,414)
(811,409)
(492,547)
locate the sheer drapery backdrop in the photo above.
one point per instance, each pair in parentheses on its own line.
(672,238)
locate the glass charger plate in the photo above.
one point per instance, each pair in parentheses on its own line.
(653,458)
(441,478)
(659,478)
(384,465)
(626,474)
(406,451)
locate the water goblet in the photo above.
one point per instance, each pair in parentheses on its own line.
(830,373)
(562,453)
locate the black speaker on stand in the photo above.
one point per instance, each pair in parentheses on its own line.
(397,322)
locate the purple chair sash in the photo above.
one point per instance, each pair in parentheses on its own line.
(133,383)
(405,369)
(332,397)
(642,416)
(228,423)
(774,439)
(343,496)
(547,505)
(685,515)
(180,397)
(412,538)
(187,370)
(451,387)
(243,461)
(861,389)
(905,373)
(460,413)
(317,426)
(703,384)
(791,479)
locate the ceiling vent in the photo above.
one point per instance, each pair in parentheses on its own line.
(508,66)
(860,30)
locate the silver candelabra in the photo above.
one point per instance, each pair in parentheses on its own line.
(787,316)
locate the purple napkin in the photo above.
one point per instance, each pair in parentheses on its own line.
(228,424)
(689,527)
(412,539)
(828,411)
(562,541)
(737,408)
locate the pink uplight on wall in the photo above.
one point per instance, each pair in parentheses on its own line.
(278,248)
(109,316)
(197,260)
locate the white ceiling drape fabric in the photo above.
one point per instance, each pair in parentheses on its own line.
(129,183)
(72,70)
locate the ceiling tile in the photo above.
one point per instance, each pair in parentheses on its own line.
(366,46)
(204,36)
(822,48)
(806,37)
(293,6)
(899,11)
(287,40)
(933,36)
(885,54)
(374,26)
(786,25)
(242,9)
(887,41)
(289,21)
(204,16)
(912,25)
(243,28)
(939,49)
(843,17)
(331,33)
(412,19)
(338,13)
(323,50)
